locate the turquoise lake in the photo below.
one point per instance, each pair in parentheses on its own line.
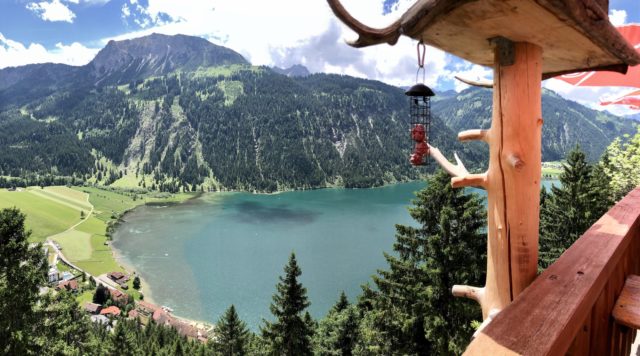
(230,248)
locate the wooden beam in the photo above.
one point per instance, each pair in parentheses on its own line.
(513,177)
(575,294)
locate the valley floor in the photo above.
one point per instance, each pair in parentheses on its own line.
(73,223)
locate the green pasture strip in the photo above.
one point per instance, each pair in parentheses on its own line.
(76,245)
(58,199)
(69,195)
(45,217)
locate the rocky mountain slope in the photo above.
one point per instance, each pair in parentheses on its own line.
(177,112)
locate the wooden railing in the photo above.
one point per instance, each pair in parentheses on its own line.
(567,309)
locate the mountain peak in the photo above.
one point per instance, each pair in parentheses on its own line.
(156,54)
(296,70)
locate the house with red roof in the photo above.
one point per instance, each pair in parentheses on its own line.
(110,311)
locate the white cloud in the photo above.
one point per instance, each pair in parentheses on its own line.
(52,11)
(617,17)
(14,53)
(125,11)
(287,32)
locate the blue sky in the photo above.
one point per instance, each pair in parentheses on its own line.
(277,32)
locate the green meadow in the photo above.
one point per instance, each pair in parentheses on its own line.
(55,213)
(47,214)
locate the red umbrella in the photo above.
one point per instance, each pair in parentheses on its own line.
(632,100)
(603,79)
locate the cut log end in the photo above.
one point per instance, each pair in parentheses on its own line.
(481,84)
(469,292)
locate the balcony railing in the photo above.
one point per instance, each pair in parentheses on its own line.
(567,309)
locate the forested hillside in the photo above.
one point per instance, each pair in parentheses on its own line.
(219,123)
(566,123)
(179,113)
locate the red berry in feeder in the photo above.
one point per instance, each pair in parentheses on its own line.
(421,148)
(418,132)
(416,159)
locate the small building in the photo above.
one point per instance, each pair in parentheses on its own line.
(133,314)
(146,308)
(110,311)
(92,308)
(119,278)
(161,317)
(53,275)
(100,319)
(118,297)
(69,285)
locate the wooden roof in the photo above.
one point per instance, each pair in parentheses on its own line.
(575,35)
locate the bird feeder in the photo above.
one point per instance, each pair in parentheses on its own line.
(420,112)
(420,116)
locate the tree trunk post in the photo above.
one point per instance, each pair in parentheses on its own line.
(513,178)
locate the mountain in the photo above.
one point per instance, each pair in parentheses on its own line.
(177,112)
(566,123)
(296,70)
(156,55)
(634,117)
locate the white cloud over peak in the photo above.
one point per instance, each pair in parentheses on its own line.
(52,11)
(14,53)
(617,17)
(287,32)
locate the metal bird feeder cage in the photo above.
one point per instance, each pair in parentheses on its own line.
(420,111)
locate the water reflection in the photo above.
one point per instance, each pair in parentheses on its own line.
(255,212)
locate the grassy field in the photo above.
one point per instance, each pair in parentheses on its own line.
(76,245)
(552,169)
(55,212)
(47,214)
(107,203)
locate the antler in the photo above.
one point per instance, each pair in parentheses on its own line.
(367,36)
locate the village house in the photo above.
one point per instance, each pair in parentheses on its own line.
(92,308)
(118,297)
(70,286)
(110,311)
(100,319)
(119,278)
(146,311)
(53,275)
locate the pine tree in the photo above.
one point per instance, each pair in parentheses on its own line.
(231,334)
(337,333)
(101,294)
(123,338)
(412,311)
(66,327)
(290,334)
(22,270)
(571,208)
(136,282)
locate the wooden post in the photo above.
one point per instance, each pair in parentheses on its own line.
(513,178)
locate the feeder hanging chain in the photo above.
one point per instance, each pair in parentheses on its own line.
(422,51)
